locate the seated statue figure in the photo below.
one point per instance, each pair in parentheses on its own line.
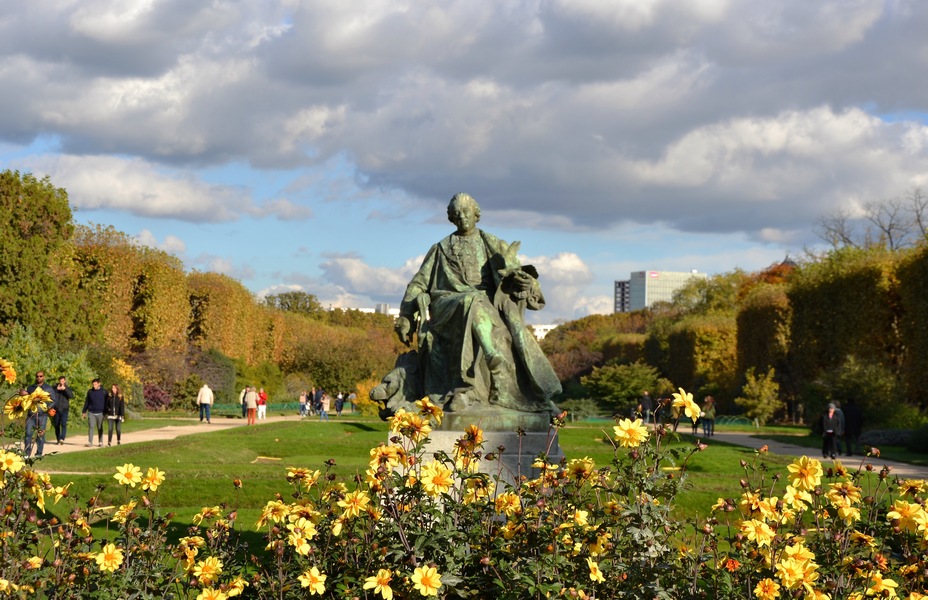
(466,304)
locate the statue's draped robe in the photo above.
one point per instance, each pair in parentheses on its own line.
(460,277)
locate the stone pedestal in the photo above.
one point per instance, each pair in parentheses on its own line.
(517,457)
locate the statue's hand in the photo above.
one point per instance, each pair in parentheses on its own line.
(402,329)
(522,281)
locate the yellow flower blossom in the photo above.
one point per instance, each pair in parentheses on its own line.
(354,503)
(436,478)
(767,589)
(909,515)
(630,434)
(314,580)
(128,474)
(207,571)
(209,593)
(431,410)
(153,478)
(685,400)
(880,587)
(109,558)
(806,473)
(758,532)
(11,462)
(427,580)
(9,373)
(380,583)
(123,512)
(595,573)
(236,586)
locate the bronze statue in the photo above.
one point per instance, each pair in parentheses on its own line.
(466,306)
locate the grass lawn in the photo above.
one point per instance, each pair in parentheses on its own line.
(200,468)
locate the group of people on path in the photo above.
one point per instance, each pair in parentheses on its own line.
(837,425)
(319,402)
(99,405)
(254,404)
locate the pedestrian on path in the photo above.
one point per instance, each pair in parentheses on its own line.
(251,404)
(37,420)
(205,402)
(94,403)
(115,410)
(832,429)
(324,407)
(262,405)
(62,395)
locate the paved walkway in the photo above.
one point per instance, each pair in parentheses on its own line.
(745,438)
(77,442)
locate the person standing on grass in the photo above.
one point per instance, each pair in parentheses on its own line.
(324,407)
(61,395)
(37,420)
(251,404)
(114,408)
(262,404)
(94,403)
(205,402)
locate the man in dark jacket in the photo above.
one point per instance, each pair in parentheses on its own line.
(832,429)
(37,420)
(62,395)
(93,409)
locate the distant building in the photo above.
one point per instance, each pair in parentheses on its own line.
(542,330)
(622,297)
(644,288)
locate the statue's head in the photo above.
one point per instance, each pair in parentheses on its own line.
(461,200)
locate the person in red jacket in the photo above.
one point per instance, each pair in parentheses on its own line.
(262,404)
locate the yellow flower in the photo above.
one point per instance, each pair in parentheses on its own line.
(275,510)
(123,512)
(436,478)
(427,580)
(767,589)
(237,586)
(912,487)
(34,562)
(208,570)
(12,462)
(37,400)
(884,588)
(153,478)
(209,593)
(508,503)
(595,573)
(128,474)
(477,488)
(427,408)
(314,580)
(909,515)
(794,572)
(380,583)
(206,513)
(685,400)
(109,558)
(580,517)
(798,499)
(806,473)
(630,434)
(384,455)
(303,527)
(757,531)
(9,373)
(14,408)
(354,503)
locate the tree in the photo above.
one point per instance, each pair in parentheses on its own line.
(35,227)
(894,223)
(297,302)
(617,386)
(760,396)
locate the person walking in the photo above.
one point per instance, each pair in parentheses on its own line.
(114,408)
(832,424)
(324,407)
(708,417)
(241,400)
(37,419)
(62,395)
(251,404)
(262,405)
(339,404)
(645,407)
(205,402)
(303,404)
(94,403)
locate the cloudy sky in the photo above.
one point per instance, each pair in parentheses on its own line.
(302,144)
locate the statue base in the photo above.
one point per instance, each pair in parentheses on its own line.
(517,456)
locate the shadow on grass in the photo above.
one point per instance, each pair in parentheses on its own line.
(361,426)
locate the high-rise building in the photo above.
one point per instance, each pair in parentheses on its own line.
(622,301)
(644,288)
